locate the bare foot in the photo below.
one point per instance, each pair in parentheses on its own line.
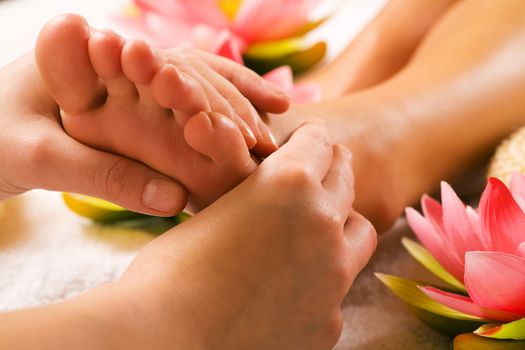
(123,97)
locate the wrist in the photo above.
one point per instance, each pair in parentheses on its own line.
(101,319)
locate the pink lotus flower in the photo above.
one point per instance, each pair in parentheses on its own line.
(224,27)
(484,249)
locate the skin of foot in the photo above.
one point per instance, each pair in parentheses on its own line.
(127,98)
(265,267)
(37,153)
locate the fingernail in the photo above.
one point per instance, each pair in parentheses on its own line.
(162,195)
(248,134)
(267,133)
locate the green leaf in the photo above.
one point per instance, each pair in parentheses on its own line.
(432,313)
(299,60)
(513,330)
(423,256)
(409,292)
(471,341)
(105,212)
(97,209)
(278,49)
(269,50)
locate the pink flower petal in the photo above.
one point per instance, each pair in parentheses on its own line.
(433,212)
(521,250)
(496,280)
(166,33)
(503,221)
(466,305)
(206,11)
(282,77)
(166,8)
(305,93)
(288,20)
(517,188)
(475,223)
(231,49)
(299,94)
(132,27)
(255,17)
(437,244)
(461,234)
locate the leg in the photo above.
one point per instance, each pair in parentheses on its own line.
(438,117)
(383,48)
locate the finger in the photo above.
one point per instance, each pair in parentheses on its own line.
(339,181)
(264,95)
(179,92)
(66,165)
(309,147)
(240,105)
(361,240)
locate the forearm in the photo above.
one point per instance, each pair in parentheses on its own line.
(92,321)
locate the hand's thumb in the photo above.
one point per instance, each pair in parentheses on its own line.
(69,166)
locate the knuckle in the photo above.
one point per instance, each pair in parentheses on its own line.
(39,149)
(238,101)
(332,329)
(297,176)
(238,77)
(329,221)
(111,179)
(344,276)
(370,235)
(38,152)
(365,243)
(291,178)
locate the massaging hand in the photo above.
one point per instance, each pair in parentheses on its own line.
(35,152)
(266,266)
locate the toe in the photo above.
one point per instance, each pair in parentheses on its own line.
(105,50)
(140,64)
(63,60)
(217,137)
(139,61)
(178,91)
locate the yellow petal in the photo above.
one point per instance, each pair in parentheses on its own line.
(274,49)
(423,256)
(470,341)
(97,209)
(230,7)
(132,10)
(299,60)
